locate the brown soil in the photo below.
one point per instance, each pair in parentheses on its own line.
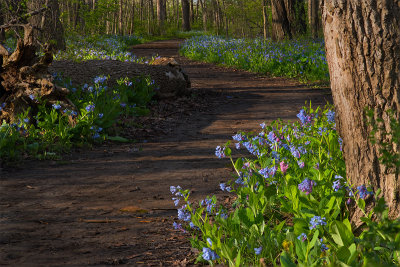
(111,204)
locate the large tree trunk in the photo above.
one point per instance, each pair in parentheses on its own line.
(185,15)
(49,22)
(363,52)
(280,22)
(313,20)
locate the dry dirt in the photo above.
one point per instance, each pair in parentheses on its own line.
(111,204)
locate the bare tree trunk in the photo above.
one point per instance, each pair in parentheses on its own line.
(120,23)
(362,41)
(204,13)
(2,19)
(49,23)
(265,19)
(280,22)
(296,16)
(161,14)
(185,15)
(313,17)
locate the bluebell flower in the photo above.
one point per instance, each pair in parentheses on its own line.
(56,106)
(209,254)
(363,192)
(176,201)
(220,152)
(307,186)
(101,115)
(301,164)
(183,214)
(32,97)
(330,115)
(90,107)
(258,251)
(323,246)
(209,241)
(26,120)
(302,237)
(177,226)
(123,105)
(263,125)
(317,221)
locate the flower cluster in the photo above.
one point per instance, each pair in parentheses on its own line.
(220,152)
(317,221)
(307,186)
(209,254)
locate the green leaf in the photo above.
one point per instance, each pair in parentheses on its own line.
(313,240)
(286,261)
(118,139)
(353,252)
(343,254)
(238,259)
(341,234)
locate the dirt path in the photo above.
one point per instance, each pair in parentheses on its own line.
(68,213)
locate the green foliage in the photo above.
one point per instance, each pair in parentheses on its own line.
(302,59)
(291,204)
(56,130)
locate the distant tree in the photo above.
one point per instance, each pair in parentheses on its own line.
(161,14)
(51,29)
(280,22)
(313,19)
(185,15)
(362,40)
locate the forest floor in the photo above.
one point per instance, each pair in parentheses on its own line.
(111,204)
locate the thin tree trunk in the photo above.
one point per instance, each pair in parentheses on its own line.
(204,13)
(265,19)
(185,15)
(313,17)
(362,40)
(161,14)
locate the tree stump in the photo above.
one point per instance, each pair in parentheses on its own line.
(25,81)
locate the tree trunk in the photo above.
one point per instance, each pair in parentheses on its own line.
(280,22)
(362,41)
(25,79)
(265,19)
(204,13)
(313,20)
(49,22)
(161,14)
(185,15)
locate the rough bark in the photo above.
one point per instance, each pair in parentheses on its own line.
(51,29)
(363,52)
(280,22)
(185,15)
(296,16)
(313,20)
(24,75)
(161,14)
(265,19)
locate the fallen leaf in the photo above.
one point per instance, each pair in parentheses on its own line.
(133,209)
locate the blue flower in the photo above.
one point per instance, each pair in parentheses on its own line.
(209,241)
(258,251)
(363,192)
(301,164)
(317,221)
(32,97)
(101,115)
(224,187)
(177,226)
(323,246)
(302,237)
(56,106)
(307,186)
(90,108)
(184,215)
(176,201)
(209,254)
(220,152)
(26,120)
(330,115)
